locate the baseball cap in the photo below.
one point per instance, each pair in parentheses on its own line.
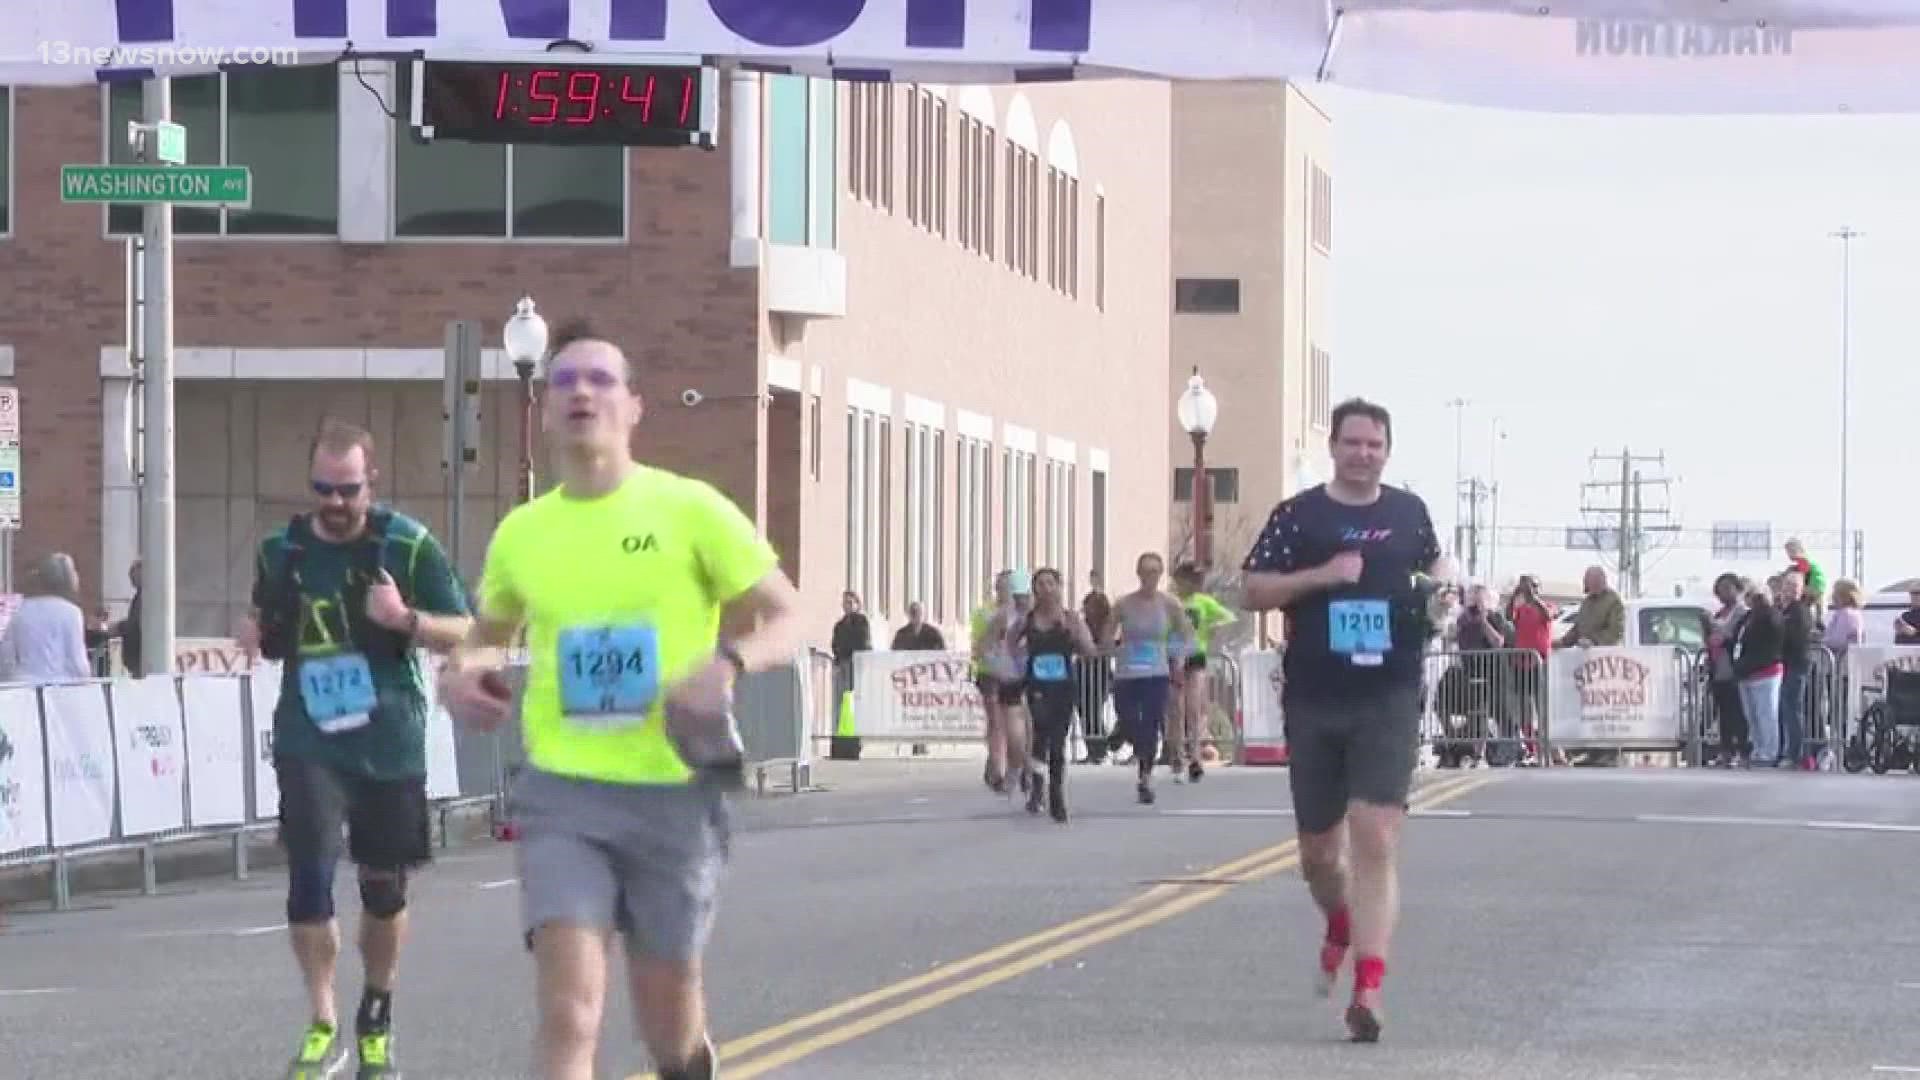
(1019,583)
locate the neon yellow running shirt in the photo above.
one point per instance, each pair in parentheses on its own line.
(621,595)
(1207,615)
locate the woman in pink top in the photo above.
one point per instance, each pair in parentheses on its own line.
(1844,626)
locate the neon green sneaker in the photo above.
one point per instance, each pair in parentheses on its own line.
(376,1057)
(322,1056)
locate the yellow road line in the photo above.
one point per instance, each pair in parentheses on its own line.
(1123,918)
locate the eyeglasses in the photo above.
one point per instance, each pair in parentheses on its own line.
(568,378)
(345,491)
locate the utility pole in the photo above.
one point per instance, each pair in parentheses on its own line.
(157,594)
(1459,407)
(1846,235)
(1629,514)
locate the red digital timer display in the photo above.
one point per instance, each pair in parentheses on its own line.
(621,104)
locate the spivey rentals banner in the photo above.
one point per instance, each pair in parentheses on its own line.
(23,779)
(916,695)
(1615,696)
(1610,56)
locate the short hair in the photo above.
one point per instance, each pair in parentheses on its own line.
(574,331)
(1048,572)
(1144,556)
(55,575)
(1364,409)
(339,438)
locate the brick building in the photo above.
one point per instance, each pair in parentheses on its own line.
(923,322)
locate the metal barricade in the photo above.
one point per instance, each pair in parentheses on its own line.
(1483,706)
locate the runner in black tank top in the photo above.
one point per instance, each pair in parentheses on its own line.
(1051,638)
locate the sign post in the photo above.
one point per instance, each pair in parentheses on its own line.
(10,505)
(159,188)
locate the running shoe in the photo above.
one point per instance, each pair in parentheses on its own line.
(323,1054)
(1196,772)
(1145,793)
(376,1057)
(1036,796)
(1363,1023)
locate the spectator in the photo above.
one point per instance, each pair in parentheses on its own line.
(1796,659)
(1602,618)
(1532,623)
(1906,627)
(852,635)
(917,635)
(46,641)
(128,629)
(1844,625)
(1756,663)
(1094,674)
(1809,571)
(1721,636)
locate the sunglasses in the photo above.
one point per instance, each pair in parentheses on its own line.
(345,491)
(597,378)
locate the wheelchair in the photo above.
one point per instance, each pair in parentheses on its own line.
(1888,737)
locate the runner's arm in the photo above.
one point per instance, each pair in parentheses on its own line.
(767,620)
(1082,637)
(1274,578)
(435,598)
(499,609)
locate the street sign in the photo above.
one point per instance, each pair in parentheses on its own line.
(191,185)
(170,143)
(9,416)
(9,487)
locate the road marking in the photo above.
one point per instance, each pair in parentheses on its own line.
(501,884)
(256,931)
(1709,819)
(1864,826)
(1896,1068)
(1440,813)
(1158,904)
(37,991)
(1909,986)
(1248,812)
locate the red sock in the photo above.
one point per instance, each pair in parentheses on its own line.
(1340,928)
(1368,971)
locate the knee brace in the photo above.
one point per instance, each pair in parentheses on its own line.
(309,892)
(384,896)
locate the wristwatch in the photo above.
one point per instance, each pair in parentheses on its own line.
(413,623)
(732,656)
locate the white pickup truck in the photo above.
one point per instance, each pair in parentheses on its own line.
(1657,621)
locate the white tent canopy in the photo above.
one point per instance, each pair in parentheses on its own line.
(1608,56)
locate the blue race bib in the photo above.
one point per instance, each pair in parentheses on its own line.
(338,692)
(1360,629)
(1050,667)
(1145,654)
(609,675)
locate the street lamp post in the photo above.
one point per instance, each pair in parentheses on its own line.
(525,338)
(1846,235)
(1196,410)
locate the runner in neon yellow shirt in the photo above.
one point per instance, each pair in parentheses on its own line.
(622,578)
(1194,706)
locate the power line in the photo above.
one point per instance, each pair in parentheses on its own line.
(1629,511)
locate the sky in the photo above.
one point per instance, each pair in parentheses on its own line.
(1668,285)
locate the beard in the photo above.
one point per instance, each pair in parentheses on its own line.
(339,521)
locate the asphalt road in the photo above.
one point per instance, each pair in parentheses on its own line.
(1590,924)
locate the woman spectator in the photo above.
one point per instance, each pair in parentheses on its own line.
(47,640)
(1757,664)
(1844,627)
(1721,636)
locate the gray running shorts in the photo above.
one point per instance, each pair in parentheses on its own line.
(1362,749)
(643,860)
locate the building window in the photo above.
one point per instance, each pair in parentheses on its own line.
(989,166)
(1320,207)
(282,123)
(1206,296)
(1320,388)
(856,505)
(975,186)
(1100,252)
(803,148)
(1073,529)
(923,520)
(1098,541)
(938,464)
(870,143)
(927,161)
(6,160)
(883,483)
(913,549)
(1226,485)
(1063,232)
(813,437)
(966,563)
(1058,544)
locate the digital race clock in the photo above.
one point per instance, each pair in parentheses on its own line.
(565,101)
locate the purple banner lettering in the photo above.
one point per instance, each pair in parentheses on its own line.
(412,18)
(543,20)
(144,20)
(320,18)
(639,20)
(1058,25)
(788,24)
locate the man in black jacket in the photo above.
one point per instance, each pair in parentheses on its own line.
(1757,665)
(1796,656)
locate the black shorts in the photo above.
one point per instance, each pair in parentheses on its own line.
(1012,693)
(386,820)
(1363,749)
(1196,663)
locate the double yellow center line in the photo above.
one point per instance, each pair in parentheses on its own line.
(1015,958)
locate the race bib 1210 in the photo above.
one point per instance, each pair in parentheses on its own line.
(1360,629)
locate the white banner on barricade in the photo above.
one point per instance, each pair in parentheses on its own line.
(23,781)
(217,751)
(1615,695)
(916,695)
(151,762)
(443,756)
(80,763)
(264,685)
(1263,731)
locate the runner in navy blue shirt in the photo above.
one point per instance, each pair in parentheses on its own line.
(1351,563)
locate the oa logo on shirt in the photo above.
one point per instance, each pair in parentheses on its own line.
(635,544)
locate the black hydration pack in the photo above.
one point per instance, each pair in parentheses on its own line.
(284,609)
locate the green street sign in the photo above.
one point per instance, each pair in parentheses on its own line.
(190,185)
(170,143)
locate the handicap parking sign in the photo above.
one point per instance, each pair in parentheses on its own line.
(6,479)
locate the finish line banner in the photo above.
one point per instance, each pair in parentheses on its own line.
(1603,56)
